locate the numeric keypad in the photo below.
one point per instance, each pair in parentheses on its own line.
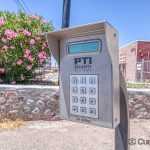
(84,95)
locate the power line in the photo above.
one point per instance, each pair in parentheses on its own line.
(22,6)
(25,5)
(19,5)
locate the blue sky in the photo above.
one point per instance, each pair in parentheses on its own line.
(130,17)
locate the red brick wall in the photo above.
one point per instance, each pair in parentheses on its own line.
(143,50)
(133,53)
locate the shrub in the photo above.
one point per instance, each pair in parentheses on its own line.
(22,47)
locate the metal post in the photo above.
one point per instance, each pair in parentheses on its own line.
(66,13)
(122,131)
(65,19)
(142,71)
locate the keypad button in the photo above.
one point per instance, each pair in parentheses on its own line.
(83,80)
(92,80)
(82,90)
(74,80)
(92,91)
(92,101)
(83,110)
(75,109)
(74,90)
(83,100)
(92,111)
(75,99)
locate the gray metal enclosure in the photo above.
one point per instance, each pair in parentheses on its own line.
(89,80)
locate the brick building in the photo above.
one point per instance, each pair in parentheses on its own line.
(135,61)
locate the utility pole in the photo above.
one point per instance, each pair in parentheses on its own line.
(66,13)
(65,19)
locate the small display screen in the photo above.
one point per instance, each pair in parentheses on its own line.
(84,47)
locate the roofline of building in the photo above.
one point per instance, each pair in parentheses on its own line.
(132,42)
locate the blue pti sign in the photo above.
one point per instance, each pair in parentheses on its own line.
(83,61)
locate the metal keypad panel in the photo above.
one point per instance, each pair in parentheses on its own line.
(84,95)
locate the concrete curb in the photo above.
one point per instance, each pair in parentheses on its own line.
(29,86)
(139,91)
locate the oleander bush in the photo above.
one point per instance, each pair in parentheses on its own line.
(22,47)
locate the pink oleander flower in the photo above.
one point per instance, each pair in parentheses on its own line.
(25,56)
(42,56)
(10,34)
(27,53)
(26,32)
(5,47)
(2,22)
(44,46)
(30,58)
(42,61)
(29,67)
(19,62)
(2,70)
(32,42)
(35,17)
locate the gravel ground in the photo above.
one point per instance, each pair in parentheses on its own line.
(65,135)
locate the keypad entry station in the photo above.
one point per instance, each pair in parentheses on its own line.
(89,73)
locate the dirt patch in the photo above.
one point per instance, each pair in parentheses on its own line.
(9,124)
